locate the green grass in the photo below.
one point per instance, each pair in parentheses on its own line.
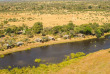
(43,68)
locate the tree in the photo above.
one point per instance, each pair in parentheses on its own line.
(93,27)
(99,32)
(29,33)
(86,29)
(57,29)
(106,27)
(70,26)
(89,7)
(37,28)
(8,30)
(14,29)
(5,22)
(77,30)
(1,33)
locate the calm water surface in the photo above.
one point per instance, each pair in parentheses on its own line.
(53,53)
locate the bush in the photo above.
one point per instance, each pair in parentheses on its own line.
(99,32)
(45,39)
(2,56)
(72,55)
(67,58)
(79,54)
(37,28)
(43,33)
(37,60)
(13,20)
(9,67)
(29,33)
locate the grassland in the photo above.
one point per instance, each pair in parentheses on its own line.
(50,20)
(94,63)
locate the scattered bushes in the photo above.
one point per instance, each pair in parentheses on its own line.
(12,20)
(73,55)
(53,7)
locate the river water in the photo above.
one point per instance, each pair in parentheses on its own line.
(53,53)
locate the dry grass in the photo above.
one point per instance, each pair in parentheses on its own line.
(95,63)
(49,20)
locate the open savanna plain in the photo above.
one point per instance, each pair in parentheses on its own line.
(50,20)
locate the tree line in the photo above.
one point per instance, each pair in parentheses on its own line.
(49,7)
(69,29)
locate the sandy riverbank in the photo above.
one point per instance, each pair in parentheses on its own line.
(34,45)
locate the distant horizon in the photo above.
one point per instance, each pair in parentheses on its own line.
(49,0)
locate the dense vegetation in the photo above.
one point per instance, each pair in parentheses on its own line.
(55,7)
(43,68)
(70,29)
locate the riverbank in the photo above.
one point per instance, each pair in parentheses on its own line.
(34,45)
(93,63)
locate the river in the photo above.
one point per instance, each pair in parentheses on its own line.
(53,53)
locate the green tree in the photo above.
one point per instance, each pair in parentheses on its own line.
(57,29)
(77,30)
(87,30)
(5,22)
(29,33)
(99,32)
(70,26)
(37,28)
(106,27)
(89,7)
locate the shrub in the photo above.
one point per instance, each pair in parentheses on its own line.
(99,32)
(45,39)
(37,28)
(79,54)
(72,55)
(2,56)
(67,58)
(37,60)
(29,33)
(43,33)
(13,20)
(9,67)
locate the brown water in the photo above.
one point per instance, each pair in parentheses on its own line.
(53,53)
